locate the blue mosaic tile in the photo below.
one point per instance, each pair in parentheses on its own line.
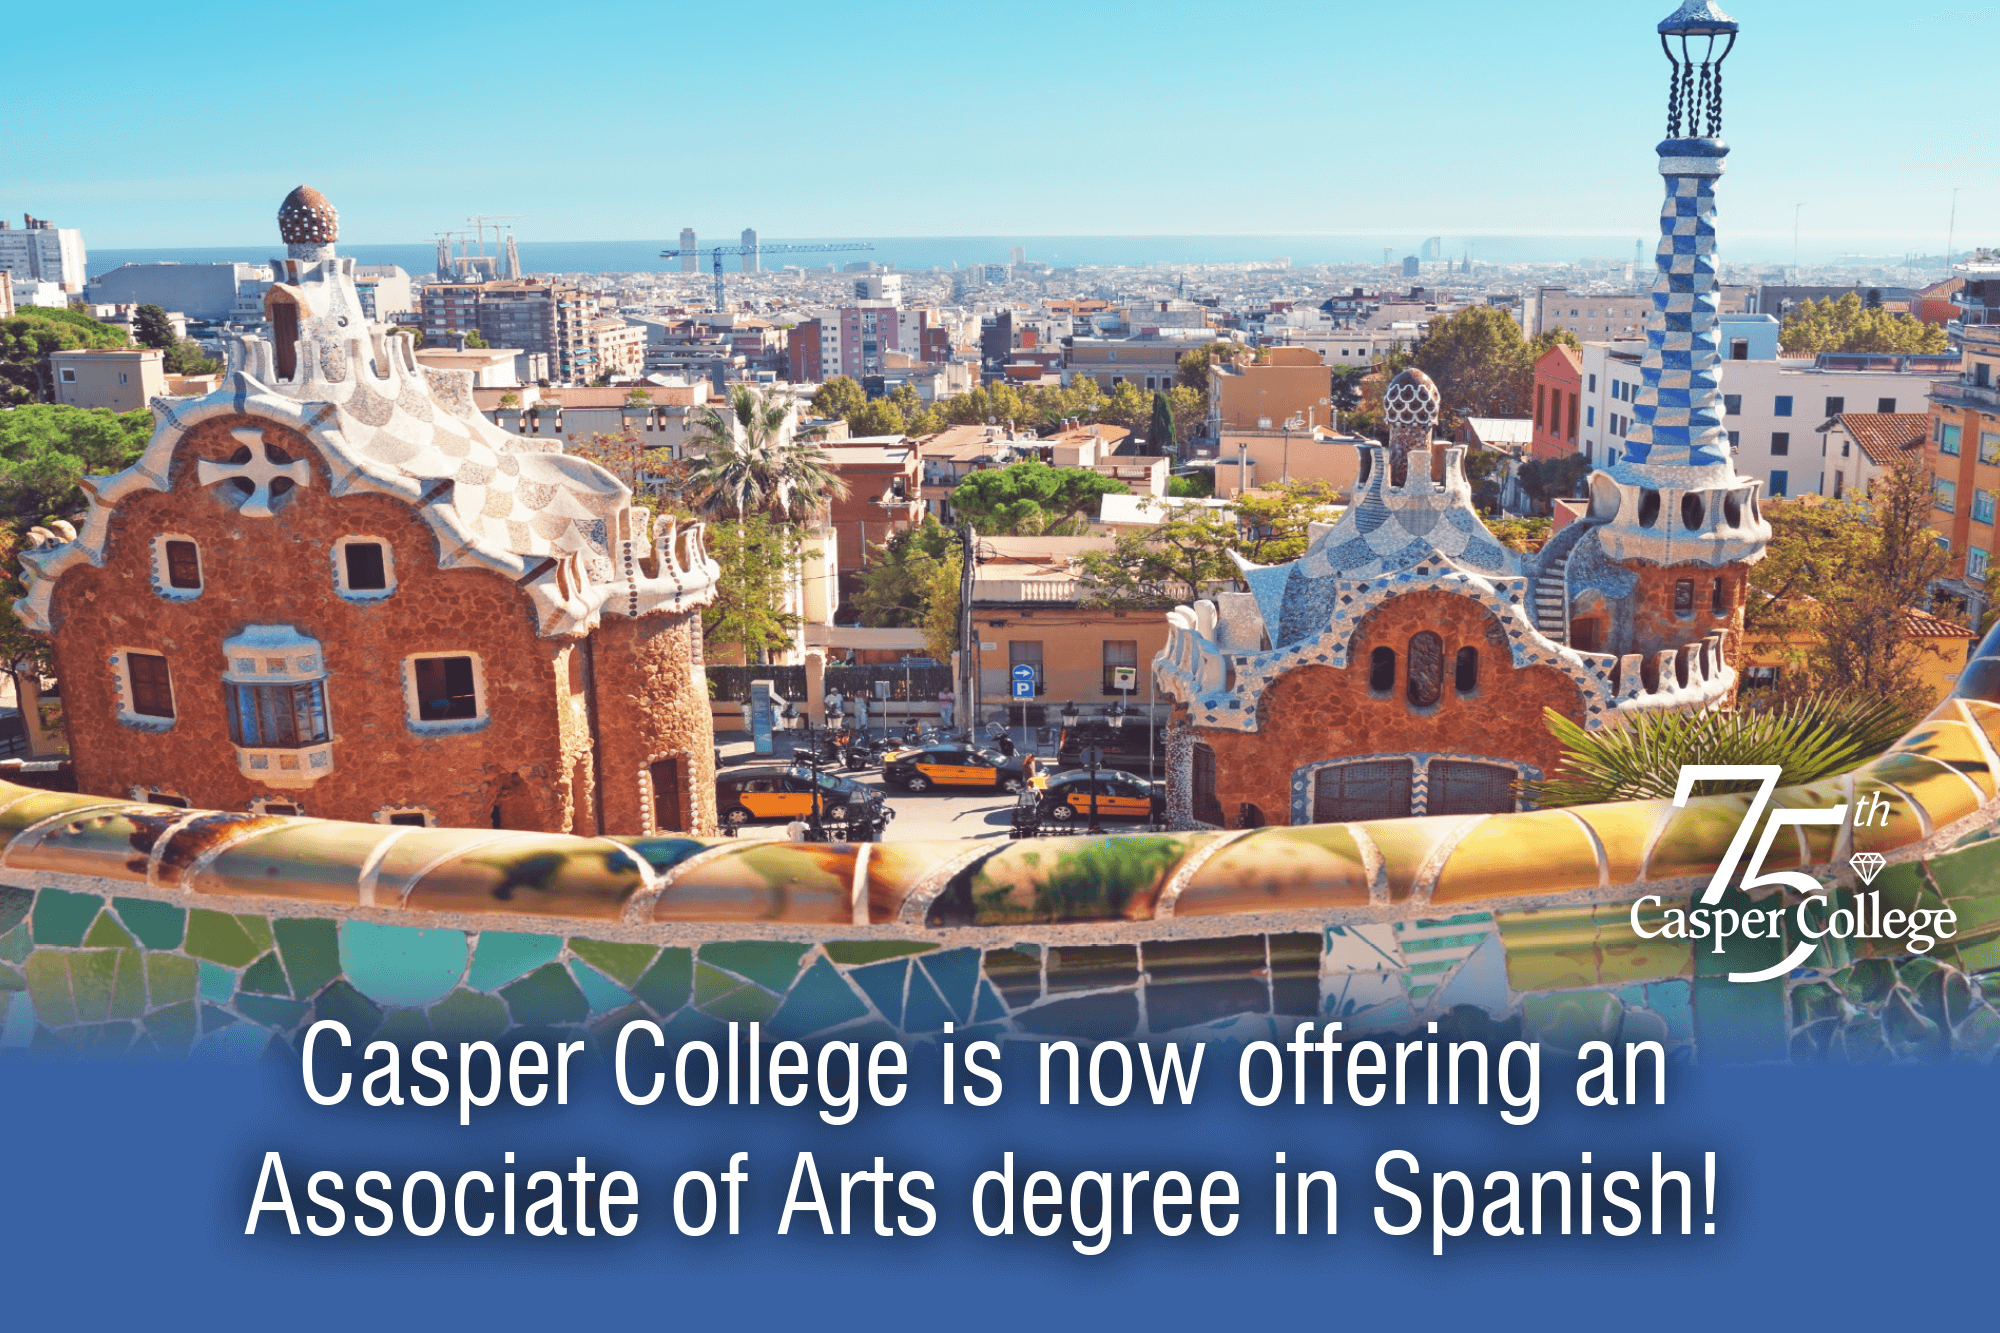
(218,983)
(602,993)
(819,1001)
(502,956)
(988,1007)
(955,973)
(883,984)
(927,1011)
(61,917)
(404,966)
(770,964)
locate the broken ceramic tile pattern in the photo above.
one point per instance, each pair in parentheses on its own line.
(89,974)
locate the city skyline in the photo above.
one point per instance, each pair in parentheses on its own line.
(1378,136)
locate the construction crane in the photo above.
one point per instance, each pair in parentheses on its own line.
(716,252)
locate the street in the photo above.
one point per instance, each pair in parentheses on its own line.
(932,816)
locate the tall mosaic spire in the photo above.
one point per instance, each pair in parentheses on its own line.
(1675,421)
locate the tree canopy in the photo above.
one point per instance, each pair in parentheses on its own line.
(152,328)
(1031,497)
(758,557)
(1482,364)
(29,336)
(894,588)
(753,464)
(1850,325)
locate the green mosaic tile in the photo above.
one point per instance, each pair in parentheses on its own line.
(14,905)
(11,979)
(711,984)
(214,1017)
(1564,1022)
(745,1004)
(310,947)
(503,956)
(172,1028)
(61,917)
(669,982)
(599,991)
(265,977)
(16,944)
(270,1012)
(48,985)
(623,963)
(693,1025)
(102,1040)
(1911,1034)
(106,933)
(852,953)
(1973,872)
(405,966)
(1978,1036)
(221,938)
(346,1005)
(170,979)
(768,963)
(546,997)
(820,1000)
(258,928)
(158,925)
(107,984)
(1740,1023)
(404,1027)
(467,1015)
(604,1030)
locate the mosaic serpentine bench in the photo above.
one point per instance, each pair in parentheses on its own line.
(128,927)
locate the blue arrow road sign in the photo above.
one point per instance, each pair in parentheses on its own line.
(1024,671)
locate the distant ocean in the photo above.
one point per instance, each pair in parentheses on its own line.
(915,253)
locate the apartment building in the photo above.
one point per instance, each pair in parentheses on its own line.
(1146,363)
(1963,449)
(39,251)
(1288,384)
(212,292)
(531,314)
(1857,447)
(1598,315)
(123,379)
(619,348)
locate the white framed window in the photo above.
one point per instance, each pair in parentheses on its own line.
(1975,563)
(444,692)
(68,375)
(364,568)
(177,571)
(274,692)
(416,816)
(145,685)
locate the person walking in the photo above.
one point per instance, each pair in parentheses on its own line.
(945,701)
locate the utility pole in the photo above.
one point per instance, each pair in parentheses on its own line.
(968,633)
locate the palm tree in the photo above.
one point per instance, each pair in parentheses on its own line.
(754,464)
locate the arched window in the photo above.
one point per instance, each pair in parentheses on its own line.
(1424,676)
(1465,675)
(1382,670)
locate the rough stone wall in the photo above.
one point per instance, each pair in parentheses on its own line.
(1318,713)
(279,570)
(1656,626)
(650,706)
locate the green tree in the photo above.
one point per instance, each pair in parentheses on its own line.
(1195,486)
(838,397)
(1850,325)
(1482,365)
(31,335)
(1032,497)
(1129,407)
(152,328)
(941,601)
(474,338)
(1273,520)
(1547,480)
(1192,368)
(894,588)
(758,559)
(753,465)
(1169,563)
(1486,471)
(877,416)
(1160,435)
(186,358)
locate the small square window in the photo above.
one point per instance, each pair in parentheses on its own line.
(364,568)
(1783,406)
(149,685)
(1885,405)
(68,375)
(1781,443)
(1732,404)
(445,688)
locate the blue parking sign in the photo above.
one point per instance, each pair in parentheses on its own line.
(1024,689)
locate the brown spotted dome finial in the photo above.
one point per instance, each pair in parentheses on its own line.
(307,217)
(1410,407)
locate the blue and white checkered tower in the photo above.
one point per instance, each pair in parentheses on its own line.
(1674,497)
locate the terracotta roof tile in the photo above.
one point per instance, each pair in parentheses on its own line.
(1882,435)
(1923,625)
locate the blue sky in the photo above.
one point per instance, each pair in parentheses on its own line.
(170,126)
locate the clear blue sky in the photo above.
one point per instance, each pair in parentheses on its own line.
(175,126)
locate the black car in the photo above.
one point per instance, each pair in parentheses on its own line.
(1120,795)
(785,792)
(957,764)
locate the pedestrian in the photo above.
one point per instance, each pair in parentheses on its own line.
(945,702)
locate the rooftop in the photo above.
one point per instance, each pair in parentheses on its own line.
(1882,435)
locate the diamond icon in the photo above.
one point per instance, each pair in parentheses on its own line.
(1867,865)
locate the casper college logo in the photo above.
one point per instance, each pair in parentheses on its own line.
(1866,919)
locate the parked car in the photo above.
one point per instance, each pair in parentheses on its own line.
(785,791)
(1132,747)
(957,764)
(1120,795)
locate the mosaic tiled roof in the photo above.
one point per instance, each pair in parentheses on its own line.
(307,217)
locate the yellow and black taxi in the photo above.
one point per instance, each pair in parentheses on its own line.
(785,791)
(956,764)
(1120,795)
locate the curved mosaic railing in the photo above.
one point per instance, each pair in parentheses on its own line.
(124,911)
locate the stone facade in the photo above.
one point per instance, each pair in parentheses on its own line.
(333,588)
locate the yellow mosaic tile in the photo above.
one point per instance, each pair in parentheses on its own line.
(1541,851)
(894,870)
(532,874)
(106,841)
(1984,715)
(810,883)
(1899,828)
(1406,844)
(311,861)
(1954,743)
(24,806)
(1624,956)
(1821,839)
(1075,879)
(1697,835)
(1552,948)
(1626,830)
(1944,794)
(1279,869)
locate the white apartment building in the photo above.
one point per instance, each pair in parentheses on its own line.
(1602,315)
(41,252)
(1773,409)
